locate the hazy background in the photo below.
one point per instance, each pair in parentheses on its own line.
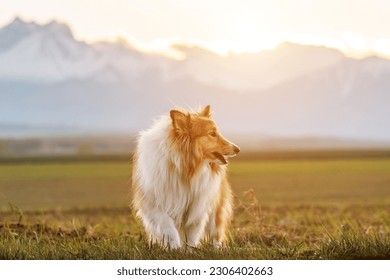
(303,87)
(86,76)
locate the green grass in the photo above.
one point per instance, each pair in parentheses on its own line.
(114,234)
(95,184)
(315,181)
(296,206)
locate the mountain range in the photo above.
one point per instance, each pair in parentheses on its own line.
(50,79)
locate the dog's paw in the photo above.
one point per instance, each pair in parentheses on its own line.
(217,244)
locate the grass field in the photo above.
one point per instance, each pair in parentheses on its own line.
(308,205)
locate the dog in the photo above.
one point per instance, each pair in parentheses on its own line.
(180,189)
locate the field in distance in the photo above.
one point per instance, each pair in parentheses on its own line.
(289,205)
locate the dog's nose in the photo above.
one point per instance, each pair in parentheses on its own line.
(236,149)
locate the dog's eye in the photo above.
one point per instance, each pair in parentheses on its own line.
(213,134)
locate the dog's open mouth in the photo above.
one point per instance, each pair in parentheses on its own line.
(222,159)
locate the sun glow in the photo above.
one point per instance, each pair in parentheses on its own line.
(221,26)
(382,46)
(350,46)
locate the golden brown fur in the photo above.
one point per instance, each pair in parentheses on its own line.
(180,189)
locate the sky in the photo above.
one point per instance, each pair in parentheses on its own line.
(356,27)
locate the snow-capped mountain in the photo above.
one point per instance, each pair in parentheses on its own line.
(45,53)
(48,78)
(49,53)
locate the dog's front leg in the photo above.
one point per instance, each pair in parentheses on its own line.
(195,231)
(161,228)
(216,233)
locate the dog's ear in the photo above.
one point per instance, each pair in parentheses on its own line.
(180,121)
(205,112)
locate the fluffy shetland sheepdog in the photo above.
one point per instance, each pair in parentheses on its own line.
(180,189)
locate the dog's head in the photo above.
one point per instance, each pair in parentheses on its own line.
(203,134)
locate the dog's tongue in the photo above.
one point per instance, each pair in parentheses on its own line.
(220,157)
